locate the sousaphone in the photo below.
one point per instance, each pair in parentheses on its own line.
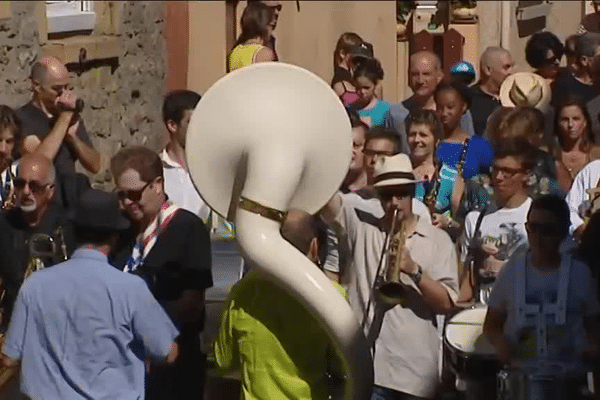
(265,139)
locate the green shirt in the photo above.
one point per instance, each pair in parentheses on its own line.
(279,346)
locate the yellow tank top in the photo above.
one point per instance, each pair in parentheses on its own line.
(243,55)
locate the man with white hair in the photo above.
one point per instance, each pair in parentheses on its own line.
(35,212)
(496,65)
(402,329)
(425,74)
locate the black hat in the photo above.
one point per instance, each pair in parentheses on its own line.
(364,50)
(100,210)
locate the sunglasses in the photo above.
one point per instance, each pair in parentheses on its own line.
(35,186)
(547,229)
(278,7)
(133,195)
(388,194)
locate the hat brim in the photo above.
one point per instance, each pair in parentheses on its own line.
(120,224)
(542,105)
(397,182)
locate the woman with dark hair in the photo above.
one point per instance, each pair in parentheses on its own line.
(349,49)
(251,45)
(10,141)
(367,75)
(543,52)
(472,154)
(576,149)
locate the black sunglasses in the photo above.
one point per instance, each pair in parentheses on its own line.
(133,195)
(386,194)
(35,186)
(278,7)
(547,229)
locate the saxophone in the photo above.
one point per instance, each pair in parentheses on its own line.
(462,159)
(431,197)
(390,287)
(43,246)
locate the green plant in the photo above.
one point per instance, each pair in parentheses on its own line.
(463,3)
(403,9)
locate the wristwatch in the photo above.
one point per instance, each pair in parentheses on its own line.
(416,277)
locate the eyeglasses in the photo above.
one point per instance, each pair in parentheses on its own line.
(547,228)
(373,153)
(506,172)
(133,195)
(278,7)
(35,186)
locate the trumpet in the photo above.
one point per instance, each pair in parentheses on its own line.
(390,287)
(9,200)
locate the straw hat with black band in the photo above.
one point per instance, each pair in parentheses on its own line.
(526,89)
(394,171)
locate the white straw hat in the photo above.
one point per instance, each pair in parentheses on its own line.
(393,171)
(525,89)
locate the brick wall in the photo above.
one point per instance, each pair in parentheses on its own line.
(123,95)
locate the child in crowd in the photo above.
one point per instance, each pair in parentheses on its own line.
(367,77)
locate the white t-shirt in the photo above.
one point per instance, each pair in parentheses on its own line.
(406,339)
(502,230)
(564,341)
(587,178)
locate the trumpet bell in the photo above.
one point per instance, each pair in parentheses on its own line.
(287,119)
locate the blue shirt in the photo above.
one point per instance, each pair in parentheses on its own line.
(378,113)
(444,196)
(82,330)
(479,156)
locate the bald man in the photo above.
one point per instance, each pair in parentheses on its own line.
(496,65)
(277,344)
(51,117)
(35,212)
(425,73)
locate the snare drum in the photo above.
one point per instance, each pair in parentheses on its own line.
(469,354)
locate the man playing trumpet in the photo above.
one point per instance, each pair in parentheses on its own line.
(404,336)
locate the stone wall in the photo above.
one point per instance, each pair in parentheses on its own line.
(123,96)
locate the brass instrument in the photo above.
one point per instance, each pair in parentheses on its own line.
(390,287)
(43,246)
(430,199)
(9,201)
(462,159)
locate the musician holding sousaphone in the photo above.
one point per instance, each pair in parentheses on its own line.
(416,262)
(543,311)
(35,233)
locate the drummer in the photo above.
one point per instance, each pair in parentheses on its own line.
(544,281)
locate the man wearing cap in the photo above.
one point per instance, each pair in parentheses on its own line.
(425,73)
(404,336)
(496,65)
(83,329)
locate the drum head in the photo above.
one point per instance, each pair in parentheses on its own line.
(286,119)
(464,332)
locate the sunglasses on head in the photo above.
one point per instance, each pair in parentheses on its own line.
(35,186)
(278,7)
(133,195)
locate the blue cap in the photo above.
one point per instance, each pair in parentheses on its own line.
(463,70)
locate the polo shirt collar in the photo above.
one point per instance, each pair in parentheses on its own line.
(88,253)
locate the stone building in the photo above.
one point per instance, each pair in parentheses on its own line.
(117,62)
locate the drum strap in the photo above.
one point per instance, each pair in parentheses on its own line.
(540,312)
